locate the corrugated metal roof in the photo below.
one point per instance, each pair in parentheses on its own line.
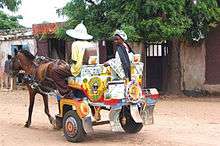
(13,34)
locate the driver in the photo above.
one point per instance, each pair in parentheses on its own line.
(81,44)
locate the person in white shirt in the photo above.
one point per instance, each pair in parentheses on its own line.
(124,55)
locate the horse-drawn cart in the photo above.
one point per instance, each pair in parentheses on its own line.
(96,89)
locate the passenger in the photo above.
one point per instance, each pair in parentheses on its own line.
(121,64)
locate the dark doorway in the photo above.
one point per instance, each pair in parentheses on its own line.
(15,48)
(212,57)
(56,49)
(156,66)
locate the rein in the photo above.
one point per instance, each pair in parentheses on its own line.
(34,79)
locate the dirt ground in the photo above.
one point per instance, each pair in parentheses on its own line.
(178,121)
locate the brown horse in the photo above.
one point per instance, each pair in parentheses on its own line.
(39,76)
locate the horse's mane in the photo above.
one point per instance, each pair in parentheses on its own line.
(28,54)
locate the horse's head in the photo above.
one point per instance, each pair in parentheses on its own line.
(19,61)
(15,65)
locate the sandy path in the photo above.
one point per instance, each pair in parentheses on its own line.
(180,121)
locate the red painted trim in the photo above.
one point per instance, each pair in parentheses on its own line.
(156,96)
(48,28)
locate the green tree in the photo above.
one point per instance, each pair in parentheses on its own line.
(144,20)
(12,5)
(9,22)
(6,21)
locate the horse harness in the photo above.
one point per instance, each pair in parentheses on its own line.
(37,80)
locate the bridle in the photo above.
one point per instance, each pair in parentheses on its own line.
(16,67)
(14,71)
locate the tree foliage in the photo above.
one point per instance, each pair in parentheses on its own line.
(6,21)
(9,22)
(12,5)
(144,20)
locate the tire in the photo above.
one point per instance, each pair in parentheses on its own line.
(127,122)
(73,127)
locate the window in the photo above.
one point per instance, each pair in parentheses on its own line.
(157,50)
(19,47)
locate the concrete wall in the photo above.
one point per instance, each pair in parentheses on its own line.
(213,89)
(192,66)
(193,69)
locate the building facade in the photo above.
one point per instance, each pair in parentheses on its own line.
(11,40)
(200,65)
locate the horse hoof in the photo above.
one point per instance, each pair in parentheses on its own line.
(55,127)
(53,121)
(27,125)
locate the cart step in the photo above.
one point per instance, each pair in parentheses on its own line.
(100,123)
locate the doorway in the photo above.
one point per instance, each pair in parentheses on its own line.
(56,48)
(156,64)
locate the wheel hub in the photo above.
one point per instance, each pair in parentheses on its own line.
(71,126)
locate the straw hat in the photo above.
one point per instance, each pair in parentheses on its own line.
(79,32)
(122,34)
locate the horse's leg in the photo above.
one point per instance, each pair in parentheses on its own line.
(32,94)
(46,109)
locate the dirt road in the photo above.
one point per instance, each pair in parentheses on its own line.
(178,121)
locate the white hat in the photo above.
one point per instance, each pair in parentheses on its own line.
(79,32)
(122,34)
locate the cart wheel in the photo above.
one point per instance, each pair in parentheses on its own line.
(127,122)
(72,127)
